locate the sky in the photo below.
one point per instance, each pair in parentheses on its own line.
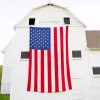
(12,11)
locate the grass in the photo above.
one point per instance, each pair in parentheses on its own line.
(0,72)
(4,97)
(0,76)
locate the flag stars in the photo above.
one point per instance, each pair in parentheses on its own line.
(40,38)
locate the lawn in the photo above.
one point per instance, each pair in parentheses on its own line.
(0,72)
(4,97)
(0,76)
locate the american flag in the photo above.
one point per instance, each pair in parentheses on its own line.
(49,69)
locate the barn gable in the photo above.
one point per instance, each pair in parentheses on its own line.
(49,13)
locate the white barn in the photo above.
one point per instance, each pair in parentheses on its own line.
(85,85)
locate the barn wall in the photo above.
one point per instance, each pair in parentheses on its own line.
(93,61)
(6,72)
(6,80)
(79,67)
(7,69)
(49,14)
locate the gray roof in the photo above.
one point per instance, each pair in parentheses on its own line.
(93,38)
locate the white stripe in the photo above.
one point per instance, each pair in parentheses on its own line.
(59,59)
(39,70)
(52,61)
(32,72)
(45,72)
(65,70)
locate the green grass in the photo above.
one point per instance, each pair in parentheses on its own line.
(0,75)
(4,97)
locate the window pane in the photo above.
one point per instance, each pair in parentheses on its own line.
(76,54)
(24,55)
(67,20)
(32,21)
(96,70)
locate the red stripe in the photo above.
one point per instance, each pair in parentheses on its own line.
(67,61)
(62,59)
(49,72)
(35,70)
(29,71)
(42,70)
(56,60)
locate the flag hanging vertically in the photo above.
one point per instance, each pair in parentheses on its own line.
(49,60)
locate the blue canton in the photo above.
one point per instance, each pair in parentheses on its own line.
(40,38)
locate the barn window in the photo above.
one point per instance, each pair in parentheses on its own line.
(76,54)
(24,55)
(67,20)
(96,70)
(31,21)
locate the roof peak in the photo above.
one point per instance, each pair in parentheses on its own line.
(51,4)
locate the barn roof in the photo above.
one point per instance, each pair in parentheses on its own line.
(47,4)
(93,39)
